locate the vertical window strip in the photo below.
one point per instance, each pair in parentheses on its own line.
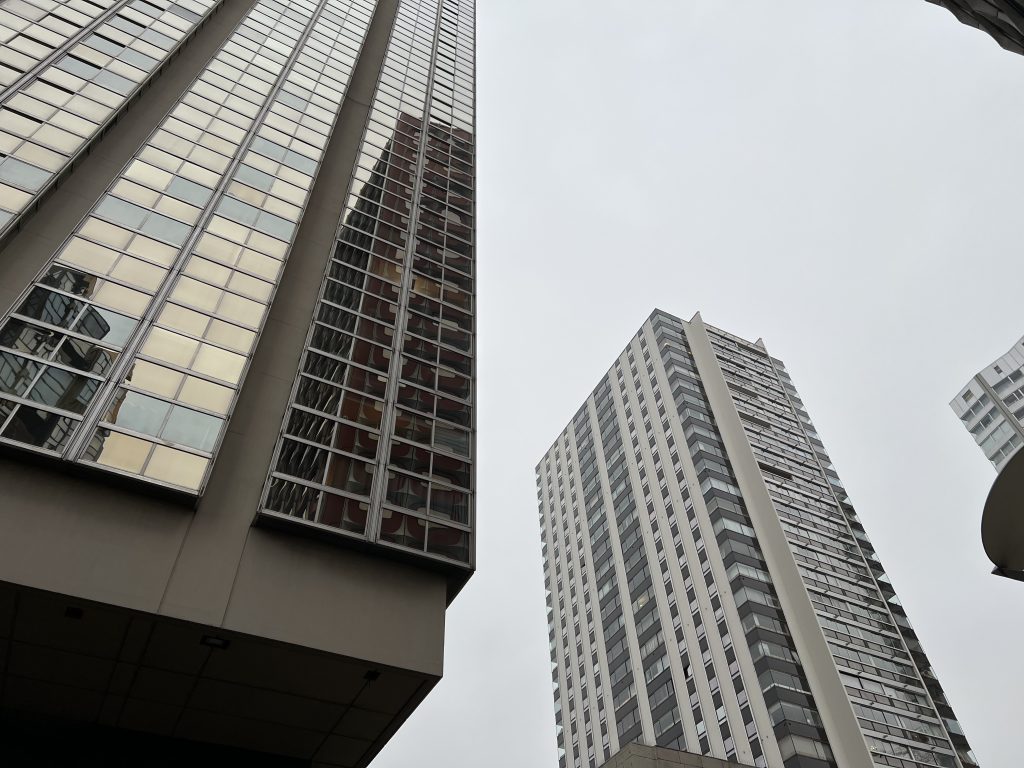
(313,481)
(194,357)
(33,32)
(50,115)
(408,393)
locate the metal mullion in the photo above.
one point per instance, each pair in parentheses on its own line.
(78,443)
(76,335)
(23,81)
(320,487)
(334,419)
(24,401)
(360,366)
(52,364)
(189,335)
(156,440)
(100,127)
(129,387)
(213,313)
(186,371)
(314,522)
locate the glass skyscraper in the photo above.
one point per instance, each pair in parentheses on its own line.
(710,587)
(237,287)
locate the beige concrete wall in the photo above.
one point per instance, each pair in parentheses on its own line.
(87,537)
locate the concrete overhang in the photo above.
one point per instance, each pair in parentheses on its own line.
(1002,523)
(90,684)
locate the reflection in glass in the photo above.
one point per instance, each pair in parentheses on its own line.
(126,251)
(454,471)
(406,491)
(406,236)
(317,395)
(16,373)
(448,542)
(23,337)
(6,409)
(450,503)
(309,426)
(71,281)
(85,356)
(413,427)
(410,457)
(39,428)
(302,460)
(292,499)
(348,474)
(404,530)
(454,440)
(344,513)
(105,325)
(49,307)
(64,389)
(362,410)
(357,441)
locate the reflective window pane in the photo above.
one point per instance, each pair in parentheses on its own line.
(39,428)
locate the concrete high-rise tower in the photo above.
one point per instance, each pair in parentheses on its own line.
(710,587)
(236,369)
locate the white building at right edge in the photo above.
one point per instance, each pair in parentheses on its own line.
(991,406)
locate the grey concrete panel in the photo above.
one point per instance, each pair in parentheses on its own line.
(75,537)
(310,593)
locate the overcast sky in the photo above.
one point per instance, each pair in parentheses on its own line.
(839,177)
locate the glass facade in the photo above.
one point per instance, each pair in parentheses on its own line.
(666,622)
(129,350)
(377,443)
(67,70)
